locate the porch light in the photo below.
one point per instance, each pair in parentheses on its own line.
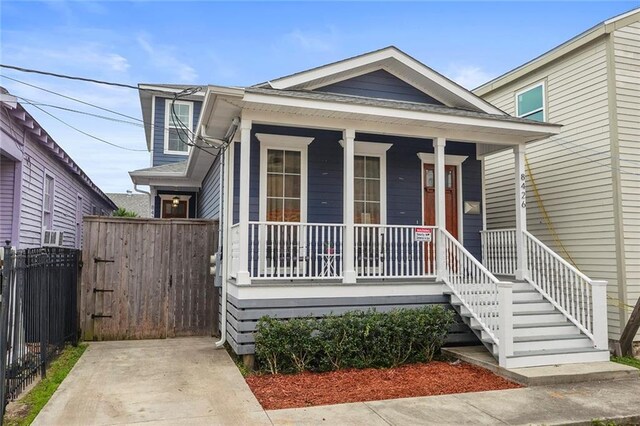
(175,201)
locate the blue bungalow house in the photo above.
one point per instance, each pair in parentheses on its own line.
(359,184)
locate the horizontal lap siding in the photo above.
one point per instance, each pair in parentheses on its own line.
(7,176)
(159,121)
(627,64)
(379,84)
(243,315)
(209,196)
(67,186)
(572,171)
(404,178)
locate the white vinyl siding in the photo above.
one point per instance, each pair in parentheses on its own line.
(572,171)
(627,65)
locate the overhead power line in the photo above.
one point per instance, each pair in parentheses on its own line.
(88,134)
(70,77)
(71,98)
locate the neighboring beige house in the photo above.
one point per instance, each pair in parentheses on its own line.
(583,188)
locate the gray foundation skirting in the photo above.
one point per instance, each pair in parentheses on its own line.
(243,315)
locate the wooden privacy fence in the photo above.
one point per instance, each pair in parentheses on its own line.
(147,278)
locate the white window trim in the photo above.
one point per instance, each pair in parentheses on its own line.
(544,100)
(167,116)
(287,143)
(376,149)
(45,175)
(449,160)
(165,197)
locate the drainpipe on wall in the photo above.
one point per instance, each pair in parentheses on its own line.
(151,201)
(222,236)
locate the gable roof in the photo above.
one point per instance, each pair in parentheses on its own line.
(137,203)
(599,30)
(394,61)
(55,151)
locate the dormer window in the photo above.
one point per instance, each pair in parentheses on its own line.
(530,103)
(178,127)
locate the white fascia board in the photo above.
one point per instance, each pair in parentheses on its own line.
(380,56)
(430,117)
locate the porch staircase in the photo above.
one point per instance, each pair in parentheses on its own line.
(542,335)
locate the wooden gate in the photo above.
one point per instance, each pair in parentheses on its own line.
(147,278)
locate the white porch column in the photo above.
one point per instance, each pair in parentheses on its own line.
(348,251)
(521,211)
(441,219)
(243,231)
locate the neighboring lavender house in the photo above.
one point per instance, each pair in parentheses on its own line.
(41,187)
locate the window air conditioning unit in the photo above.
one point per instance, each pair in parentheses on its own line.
(51,238)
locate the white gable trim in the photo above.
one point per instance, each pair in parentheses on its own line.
(376,60)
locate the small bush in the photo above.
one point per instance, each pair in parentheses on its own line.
(353,340)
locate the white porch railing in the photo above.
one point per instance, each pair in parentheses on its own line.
(582,300)
(286,250)
(234,235)
(475,286)
(392,251)
(499,253)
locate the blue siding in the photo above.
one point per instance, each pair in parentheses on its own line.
(379,84)
(404,178)
(159,157)
(193,201)
(209,196)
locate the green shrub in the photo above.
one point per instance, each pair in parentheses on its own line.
(353,340)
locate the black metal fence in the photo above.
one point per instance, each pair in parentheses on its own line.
(38,313)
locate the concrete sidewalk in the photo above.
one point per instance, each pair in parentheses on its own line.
(549,405)
(168,382)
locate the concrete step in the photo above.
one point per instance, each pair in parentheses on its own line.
(552,342)
(544,329)
(558,356)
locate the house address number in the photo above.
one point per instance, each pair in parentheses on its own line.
(523,190)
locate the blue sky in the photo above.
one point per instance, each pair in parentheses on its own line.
(243,43)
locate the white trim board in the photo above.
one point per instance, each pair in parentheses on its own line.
(287,143)
(449,160)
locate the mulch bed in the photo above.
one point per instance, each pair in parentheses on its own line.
(336,387)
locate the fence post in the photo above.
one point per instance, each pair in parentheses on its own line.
(599,296)
(505,324)
(43,282)
(7,270)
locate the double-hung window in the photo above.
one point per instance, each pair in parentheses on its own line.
(284,181)
(530,103)
(178,126)
(367,189)
(47,201)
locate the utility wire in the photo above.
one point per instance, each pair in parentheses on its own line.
(88,134)
(70,77)
(71,98)
(36,103)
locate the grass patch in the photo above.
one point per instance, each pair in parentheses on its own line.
(28,407)
(627,360)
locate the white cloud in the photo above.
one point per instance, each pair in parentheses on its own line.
(468,76)
(313,41)
(163,56)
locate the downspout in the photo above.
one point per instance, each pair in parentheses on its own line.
(222,236)
(151,200)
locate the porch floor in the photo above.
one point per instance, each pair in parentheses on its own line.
(338,282)
(545,375)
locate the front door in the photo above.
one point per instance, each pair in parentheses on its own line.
(450,197)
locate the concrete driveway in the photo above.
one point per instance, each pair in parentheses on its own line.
(173,381)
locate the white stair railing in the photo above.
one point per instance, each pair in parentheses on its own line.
(486,298)
(582,300)
(499,252)
(394,251)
